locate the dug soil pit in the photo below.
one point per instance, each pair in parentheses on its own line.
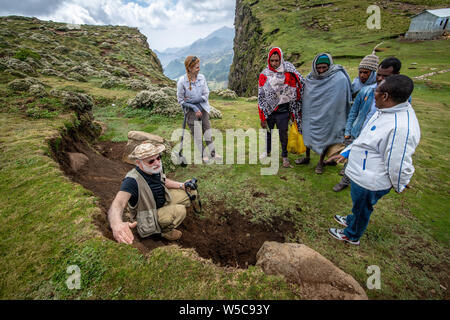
(226,237)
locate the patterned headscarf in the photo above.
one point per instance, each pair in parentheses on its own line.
(276,90)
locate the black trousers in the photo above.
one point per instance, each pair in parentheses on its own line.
(281,120)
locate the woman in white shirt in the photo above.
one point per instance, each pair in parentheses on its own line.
(192,95)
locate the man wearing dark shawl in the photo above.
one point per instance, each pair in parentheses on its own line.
(326,104)
(280,91)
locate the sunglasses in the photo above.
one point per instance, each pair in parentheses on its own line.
(194,58)
(153,160)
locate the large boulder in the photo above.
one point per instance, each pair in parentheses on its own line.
(136,138)
(317,277)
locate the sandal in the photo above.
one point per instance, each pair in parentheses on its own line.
(303,160)
(319,169)
(330,163)
(286,163)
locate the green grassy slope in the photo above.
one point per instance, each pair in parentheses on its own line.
(303,29)
(47,221)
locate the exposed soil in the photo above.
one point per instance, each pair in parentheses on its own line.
(227,237)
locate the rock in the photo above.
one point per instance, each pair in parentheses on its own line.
(135,138)
(77,160)
(252,99)
(317,277)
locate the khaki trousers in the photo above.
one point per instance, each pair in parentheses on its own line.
(173,213)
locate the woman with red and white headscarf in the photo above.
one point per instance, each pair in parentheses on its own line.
(280,91)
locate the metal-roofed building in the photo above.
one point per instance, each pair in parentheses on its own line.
(429,24)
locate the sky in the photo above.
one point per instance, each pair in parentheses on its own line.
(166,23)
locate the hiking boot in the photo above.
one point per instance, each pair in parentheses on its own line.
(339,235)
(340,186)
(303,160)
(172,235)
(341,220)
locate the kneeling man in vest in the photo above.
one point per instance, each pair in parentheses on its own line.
(157,204)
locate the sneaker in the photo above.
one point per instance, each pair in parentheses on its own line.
(264,155)
(217,157)
(172,235)
(339,235)
(341,220)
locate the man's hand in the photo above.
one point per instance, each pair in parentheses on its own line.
(122,232)
(198,114)
(264,124)
(347,137)
(338,158)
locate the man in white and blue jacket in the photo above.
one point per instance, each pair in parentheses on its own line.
(363,108)
(381,157)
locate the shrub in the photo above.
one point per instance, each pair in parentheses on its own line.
(156,101)
(38,113)
(38,90)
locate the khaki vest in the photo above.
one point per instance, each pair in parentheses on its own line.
(145,212)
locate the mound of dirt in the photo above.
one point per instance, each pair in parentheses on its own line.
(226,237)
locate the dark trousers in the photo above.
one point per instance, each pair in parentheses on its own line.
(363,202)
(281,120)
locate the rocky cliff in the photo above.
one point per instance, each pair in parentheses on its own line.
(304,28)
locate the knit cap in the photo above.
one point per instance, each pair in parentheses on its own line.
(370,61)
(323,59)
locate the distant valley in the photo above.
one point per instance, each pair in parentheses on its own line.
(215,53)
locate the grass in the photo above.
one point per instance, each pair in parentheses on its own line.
(47,227)
(47,220)
(408,233)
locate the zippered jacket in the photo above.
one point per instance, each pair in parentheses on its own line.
(359,111)
(381,157)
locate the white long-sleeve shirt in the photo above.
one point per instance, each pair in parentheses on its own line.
(381,157)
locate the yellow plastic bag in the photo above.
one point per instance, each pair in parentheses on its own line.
(295,140)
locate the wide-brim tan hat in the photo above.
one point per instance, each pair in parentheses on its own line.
(146,150)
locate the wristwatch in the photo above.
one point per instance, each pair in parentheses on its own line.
(180,186)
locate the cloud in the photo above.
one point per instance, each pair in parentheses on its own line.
(162,21)
(28,7)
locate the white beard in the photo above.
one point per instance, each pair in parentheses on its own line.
(149,170)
